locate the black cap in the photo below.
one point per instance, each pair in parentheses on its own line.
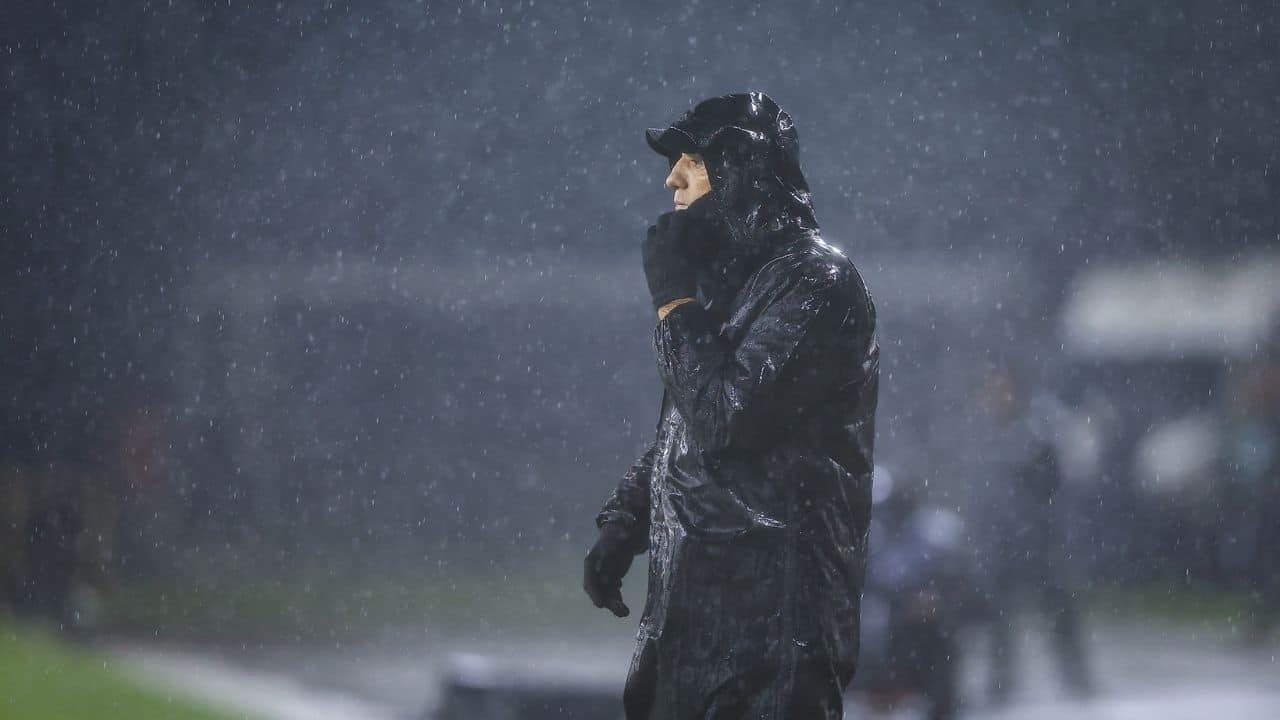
(752,113)
(670,142)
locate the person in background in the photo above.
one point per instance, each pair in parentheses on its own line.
(1251,450)
(919,590)
(1016,468)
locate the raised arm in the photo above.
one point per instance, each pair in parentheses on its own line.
(731,397)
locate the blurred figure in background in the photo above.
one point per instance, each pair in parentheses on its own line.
(43,482)
(142,458)
(52,555)
(14,490)
(1251,450)
(1023,555)
(918,593)
(56,503)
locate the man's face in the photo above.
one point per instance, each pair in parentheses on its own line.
(689,180)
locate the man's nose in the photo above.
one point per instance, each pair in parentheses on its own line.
(674,180)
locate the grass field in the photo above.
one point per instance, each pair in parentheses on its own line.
(42,678)
(325,604)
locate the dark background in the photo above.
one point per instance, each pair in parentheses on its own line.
(310,284)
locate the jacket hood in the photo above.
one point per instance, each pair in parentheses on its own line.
(752,154)
(761,199)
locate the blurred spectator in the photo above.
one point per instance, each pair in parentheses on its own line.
(15,484)
(1015,464)
(52,556)
(917,594)
(50,459)
(53,496)
(1251,451)
(141,461)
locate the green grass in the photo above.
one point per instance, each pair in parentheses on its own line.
(522,597)
(1204,607)
(44,679)
(315,607)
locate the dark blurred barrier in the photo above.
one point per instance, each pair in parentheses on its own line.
(478,690)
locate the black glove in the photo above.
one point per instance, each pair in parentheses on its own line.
(676,246)
(609,560)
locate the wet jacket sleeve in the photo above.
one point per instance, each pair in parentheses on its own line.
(732,397)
(628,504)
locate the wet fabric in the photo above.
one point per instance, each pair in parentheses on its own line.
(754,499)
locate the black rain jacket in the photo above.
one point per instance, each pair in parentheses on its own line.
(754,499)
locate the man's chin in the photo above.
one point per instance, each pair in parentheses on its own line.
(681,206)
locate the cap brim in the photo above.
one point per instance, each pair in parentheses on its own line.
(670,142)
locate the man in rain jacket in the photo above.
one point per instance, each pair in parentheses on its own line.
(754,499)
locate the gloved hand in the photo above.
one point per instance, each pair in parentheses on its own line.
(676,245)
(609,560)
